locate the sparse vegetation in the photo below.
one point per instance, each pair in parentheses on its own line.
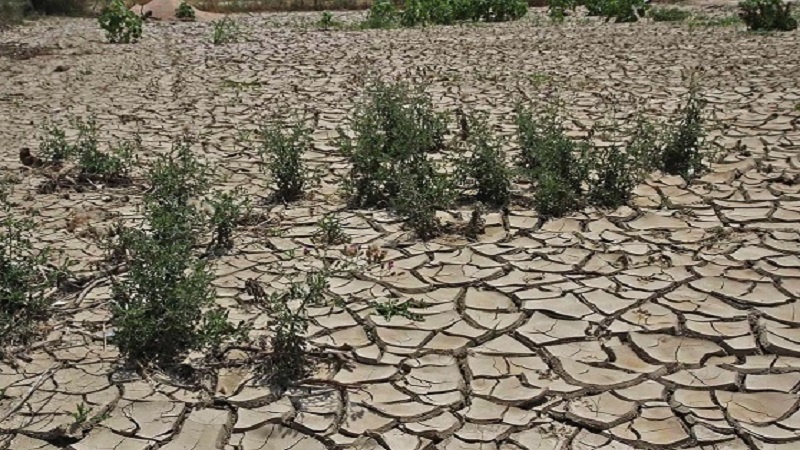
(559,9)
(330,231)
(767,15)
(483,168)
(282,154)
(122,25)
(228,210)
(667,14)
(327,21)
(395,128)
(619,10)
(164,306)
(382,14)
(26,279)
(682,153)
(225,31)
(111,167)
(613,178)
(185,12)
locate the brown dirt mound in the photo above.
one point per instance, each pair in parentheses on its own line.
(165,10)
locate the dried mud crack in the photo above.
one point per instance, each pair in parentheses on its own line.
(670,323)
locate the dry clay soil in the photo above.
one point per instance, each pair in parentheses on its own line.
(672,323)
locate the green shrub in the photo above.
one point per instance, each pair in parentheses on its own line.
(226,31)
(112,167)
(614,177)
(164,306)
(228,210)
(552,160)
(25,279)
(330,231)
(767,15)
(327,21)
(683,153)
(669,14)
(503,10)
(185,12)
(54,148)
(619,10)
(559,9)
(94,165)
(446,12)
(423,190)
(395,129)
(282,153)
(382,14)
(121,24)
(484,168)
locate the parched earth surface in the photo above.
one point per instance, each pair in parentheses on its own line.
(672,323)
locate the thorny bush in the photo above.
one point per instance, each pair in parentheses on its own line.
(483,166)
(767,15)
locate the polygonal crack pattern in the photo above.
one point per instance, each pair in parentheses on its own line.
(672,323)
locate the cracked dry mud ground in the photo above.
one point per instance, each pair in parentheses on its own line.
(672,323)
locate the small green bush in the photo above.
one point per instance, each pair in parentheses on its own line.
(552,160)
(164,306)
(94,165)
(25,280)
(767,15)
(122,25)
(614,177)
(226,31)
(185,12)
(619,10)
(484,168)
(682,154)
(382,14)
(559,9)
(669,14)
(446,12)
(228,210)
(327,21)
(282,154)
(423,190)
(395,129)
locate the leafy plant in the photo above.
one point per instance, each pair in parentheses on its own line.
(327,21)
(502,10)
(767,15)
(228,210)
(619,10)
(113,166)
(669,14)
(423,189)
(185,12)
(54,148)
(121,24)
(484,165)
(25,278)
(81,414)
(330,231)
(394,308)
(165,305)
(682,154)
(559,9)
(382,14)
(614,179)
(553,161)
(395,129)
(226,30)
(282,153)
